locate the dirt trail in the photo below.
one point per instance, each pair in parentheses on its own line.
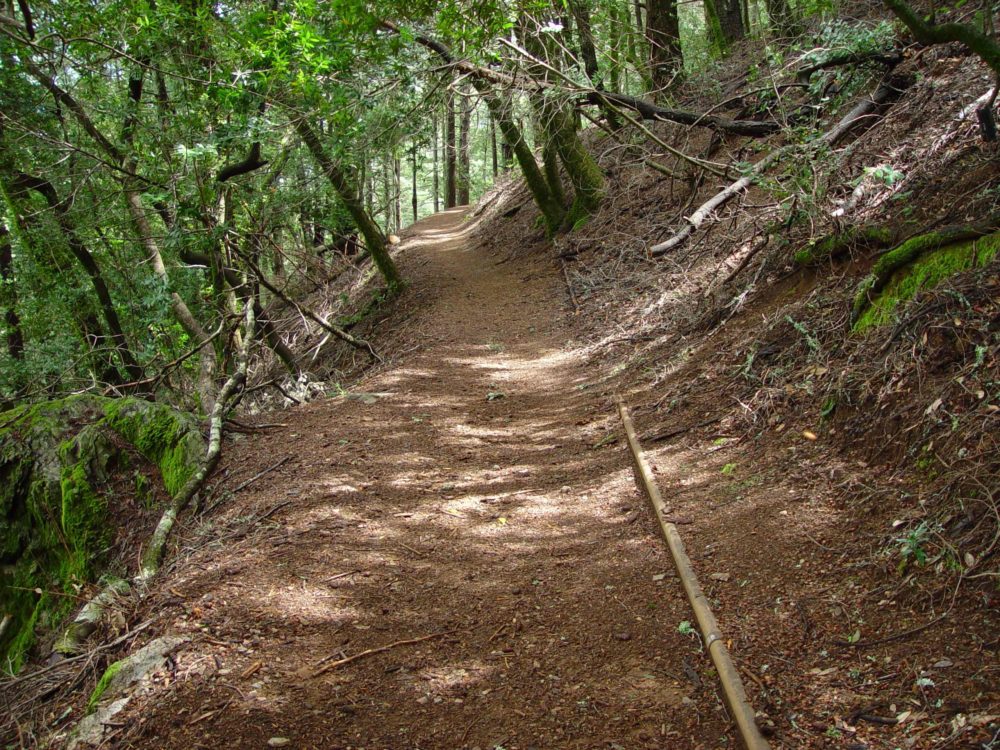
(467,499)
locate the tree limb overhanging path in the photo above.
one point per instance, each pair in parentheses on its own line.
(459,560)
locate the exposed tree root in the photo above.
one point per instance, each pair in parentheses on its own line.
(911,250)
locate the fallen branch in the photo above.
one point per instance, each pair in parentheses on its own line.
(887,91)
(650,111)
(889,59)
(372,651)
(325,325)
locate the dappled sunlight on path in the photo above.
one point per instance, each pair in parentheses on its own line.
(480,498)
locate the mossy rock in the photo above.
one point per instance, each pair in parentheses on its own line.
(918,264)
(55,523)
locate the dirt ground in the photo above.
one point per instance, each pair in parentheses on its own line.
(454,555)
(475,498)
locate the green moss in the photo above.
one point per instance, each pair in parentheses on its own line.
(900,274)
(102,685)
(832,245)
(162,435)
(54,523)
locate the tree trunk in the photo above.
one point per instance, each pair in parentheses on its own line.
(374,239)
(464,175)
(493,147)
(552,209)
(12,321)
(731,19)
(397,191)
(85,258)
(550,160)
(387,194)
(586,176)
(413,195)
(450,153)
(664,36)
(434,151)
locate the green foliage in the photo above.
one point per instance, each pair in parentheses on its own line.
(840,37)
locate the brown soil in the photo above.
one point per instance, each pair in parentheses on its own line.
(483,499)
(475,491)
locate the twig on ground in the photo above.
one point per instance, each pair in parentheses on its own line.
(372,651)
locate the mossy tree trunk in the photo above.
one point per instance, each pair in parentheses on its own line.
(374,238)
(550,206)
(584,174)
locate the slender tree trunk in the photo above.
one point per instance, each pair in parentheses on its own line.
(434,152)
(493,147)
(464,176)
(664,36)
(413,183)
(450,153)
(374,239)
(638,53)
(550,159)
(85,258)
(397,187)
(387,194)
(12,321)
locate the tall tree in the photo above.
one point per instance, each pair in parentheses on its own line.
(450,152)
(664,36)
(464,175)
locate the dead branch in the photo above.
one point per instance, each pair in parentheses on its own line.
(370,652)
(889,90)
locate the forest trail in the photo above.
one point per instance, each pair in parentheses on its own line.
(467,502)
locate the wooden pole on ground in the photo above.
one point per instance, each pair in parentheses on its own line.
(732,686)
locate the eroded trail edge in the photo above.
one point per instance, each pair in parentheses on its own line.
(457,558)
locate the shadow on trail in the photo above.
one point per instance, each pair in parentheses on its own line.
(481,499)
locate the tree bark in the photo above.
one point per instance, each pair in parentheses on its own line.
(664,35)
(464,176)
(413,194)
(374,239)
(434,152)
(450,153)
(397,191)
(12,321)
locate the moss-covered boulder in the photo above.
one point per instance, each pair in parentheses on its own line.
(56,522)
